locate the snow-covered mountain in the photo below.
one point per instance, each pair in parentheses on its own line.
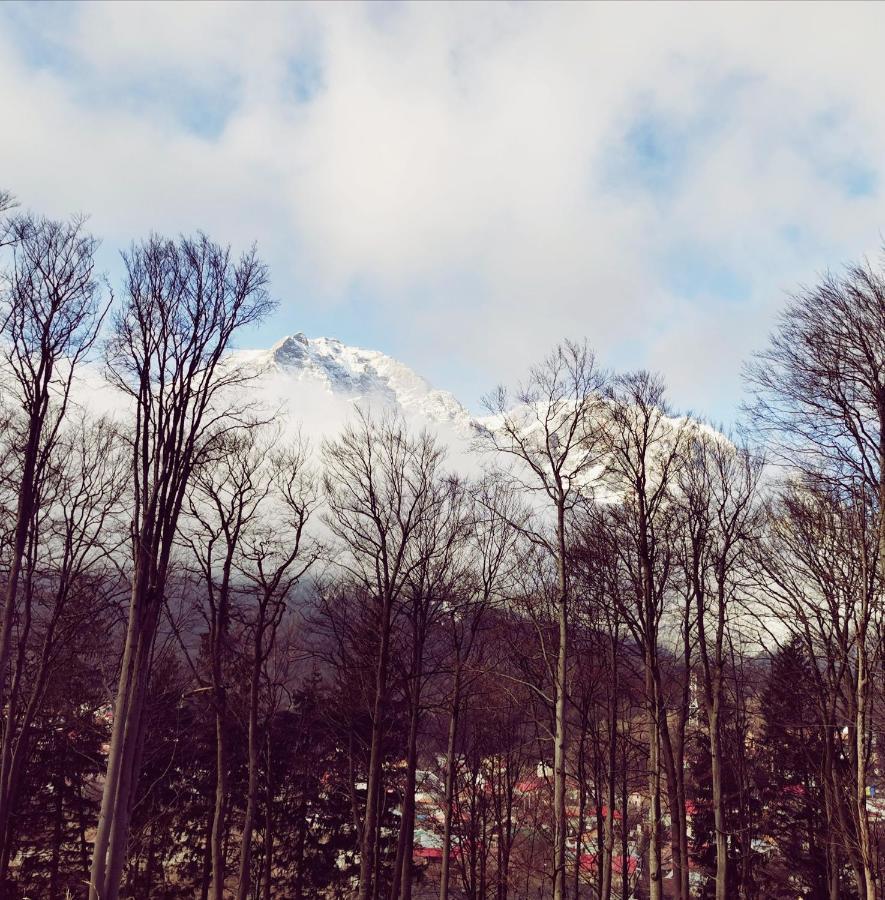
(319,381)
(315,385)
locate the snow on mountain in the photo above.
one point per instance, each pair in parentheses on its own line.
(315,386)
(320,381)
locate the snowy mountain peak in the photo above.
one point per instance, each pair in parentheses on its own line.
(296,364)
(292,347)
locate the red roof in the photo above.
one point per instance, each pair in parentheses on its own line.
(433,853)
(530,784)
(588,863)
(617,814)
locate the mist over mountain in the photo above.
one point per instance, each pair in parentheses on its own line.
(320,380)
(316,385)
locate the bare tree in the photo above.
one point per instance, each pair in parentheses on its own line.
(601,578)
(184,302)
(70,555)
(819,388)
(224,499)
(645,445)
(433,588)
(719,486)
(554,438)
(52,308)
(819,573)
(276,556)
(491,543)
(7,202)
(819,392)
(379,485)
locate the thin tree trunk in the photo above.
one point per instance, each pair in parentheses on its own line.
(268,822)
(450,785)
(219,626)
(206,875)
(300,841)
(376,879)
(582,806)
(718,814)
(14,748)
(625,808)
(408,820)
(860,754)
(217,833)
(253,754)
(655,887)
(609,835)
(122,707)
(712,693)
(832,871)
(676,797)
(57,837)
(373,781)
(24,518)
(559,737)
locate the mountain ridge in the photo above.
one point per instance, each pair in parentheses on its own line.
(355,375)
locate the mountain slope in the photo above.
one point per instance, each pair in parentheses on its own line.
(319,381)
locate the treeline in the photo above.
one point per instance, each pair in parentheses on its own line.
(635,658)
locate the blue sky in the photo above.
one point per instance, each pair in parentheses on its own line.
(462,185)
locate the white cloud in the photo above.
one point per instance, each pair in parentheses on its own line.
(469,167)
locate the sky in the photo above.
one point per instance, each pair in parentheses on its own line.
(462,185)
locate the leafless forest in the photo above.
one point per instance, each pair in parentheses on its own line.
(638,657)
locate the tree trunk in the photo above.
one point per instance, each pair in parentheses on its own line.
(24,517)
(673,799)
(253,751)
(217,833)
(268,823)
(860,753)
(582,806)
(14,749)
(373,781)
(206,875)
(376,877)
(219,628)
(109,850)
(608,845)
(57,837)
(559,736)
(718,811)
(450,786)
(625,808)
(408,819)
(655,887)
(712,693)
(832,871)
(300,841)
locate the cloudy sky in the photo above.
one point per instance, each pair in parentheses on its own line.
(462,185)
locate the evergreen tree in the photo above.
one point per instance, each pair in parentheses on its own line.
(794,818)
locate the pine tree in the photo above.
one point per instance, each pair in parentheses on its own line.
(794,815)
